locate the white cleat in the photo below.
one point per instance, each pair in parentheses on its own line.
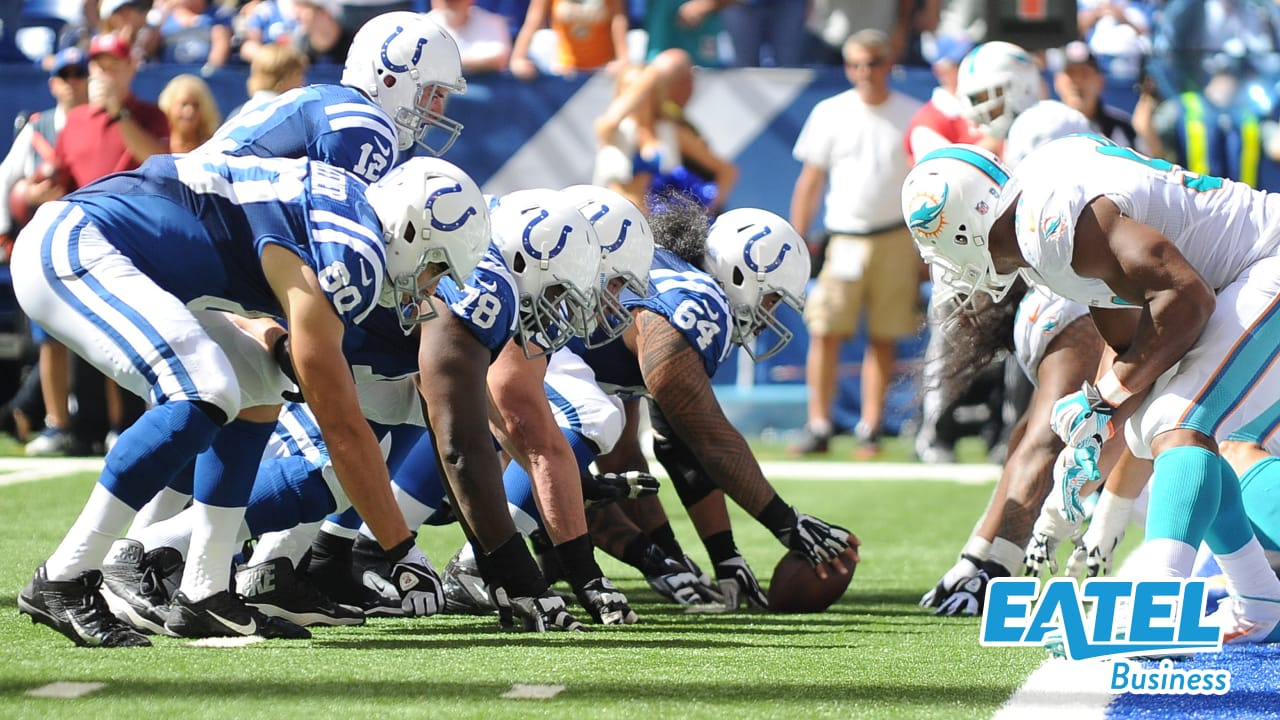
(1247,620)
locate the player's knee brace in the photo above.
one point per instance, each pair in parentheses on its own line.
(690,480)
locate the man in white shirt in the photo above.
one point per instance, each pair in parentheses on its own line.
(482,36)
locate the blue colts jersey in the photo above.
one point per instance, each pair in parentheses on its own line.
(486,304)
(331,123)
(690,300)
(196,225)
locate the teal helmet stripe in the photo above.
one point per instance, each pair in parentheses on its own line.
(978,160)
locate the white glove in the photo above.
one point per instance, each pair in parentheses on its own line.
(1050,530)
(1106,530)
(1082,415)
(1073,468)
(412,583)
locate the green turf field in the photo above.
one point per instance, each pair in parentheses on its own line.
(873,655)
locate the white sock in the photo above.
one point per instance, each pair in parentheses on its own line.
(1249,572)
(174,532)
(292,543)
(1166,557)
(213,534)
(85,545)
(167,503)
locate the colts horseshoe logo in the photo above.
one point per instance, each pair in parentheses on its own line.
(528,241)
(417,52)
(622,231)
(750,259)
(440,224)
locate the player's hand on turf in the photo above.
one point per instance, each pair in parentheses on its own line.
(543,613)
(963,590)
(412,582)
(678,583)
(1051,528)
(602,489)
(1106,530)
(606,605)
(822,544)
(738,585)
(1082,416)
(1073,469)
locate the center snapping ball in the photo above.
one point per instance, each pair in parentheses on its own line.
(796,588)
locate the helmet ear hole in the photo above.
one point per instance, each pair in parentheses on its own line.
(389,80)
(738,277)
(518,265)
(410,233)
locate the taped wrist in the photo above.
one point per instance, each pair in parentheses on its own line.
(779,517)
(397,553)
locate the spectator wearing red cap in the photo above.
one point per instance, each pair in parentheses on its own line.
(114,131)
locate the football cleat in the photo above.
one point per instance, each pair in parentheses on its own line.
(329,566)
(465,591)
(277,590)
(225,614)
(1247,620)
(137,585)
(76,609)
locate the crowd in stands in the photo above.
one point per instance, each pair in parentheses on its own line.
(1206,72)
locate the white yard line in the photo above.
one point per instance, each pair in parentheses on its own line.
(65,690)
(226,642)
(20,470)
(533,692)
(1061,690)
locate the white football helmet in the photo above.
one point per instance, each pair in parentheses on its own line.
(997,81)
(554,256)
(759,260)
(407,63)
(949,202)
(626,243)
(432,213)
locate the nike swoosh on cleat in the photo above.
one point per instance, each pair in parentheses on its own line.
(1228,637)
(248,628)
(84,634)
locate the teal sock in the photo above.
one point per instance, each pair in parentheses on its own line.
(1185,490)
(1230,529)
(1260,494)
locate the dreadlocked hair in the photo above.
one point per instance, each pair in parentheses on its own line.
(975,331)
(679,224)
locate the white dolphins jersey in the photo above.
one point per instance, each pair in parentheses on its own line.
(1221,227)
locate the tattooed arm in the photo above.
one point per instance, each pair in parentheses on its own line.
(678,383)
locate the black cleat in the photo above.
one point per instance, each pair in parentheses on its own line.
(276,589)
(137,586)
(76,609)
(225,614)
(329,566)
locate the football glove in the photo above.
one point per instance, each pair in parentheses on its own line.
(542,613)
(412,583)
(606,605)
(602,489)
(738,585)
(681,583)
(963,589)
(1082,415)
(815,540)
(280,350)
(1074,467)
(1106,529)
(1050,530)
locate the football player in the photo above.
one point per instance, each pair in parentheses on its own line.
(1113,229)
(127,272)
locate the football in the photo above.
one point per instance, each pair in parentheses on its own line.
(19,210)
(796,588)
